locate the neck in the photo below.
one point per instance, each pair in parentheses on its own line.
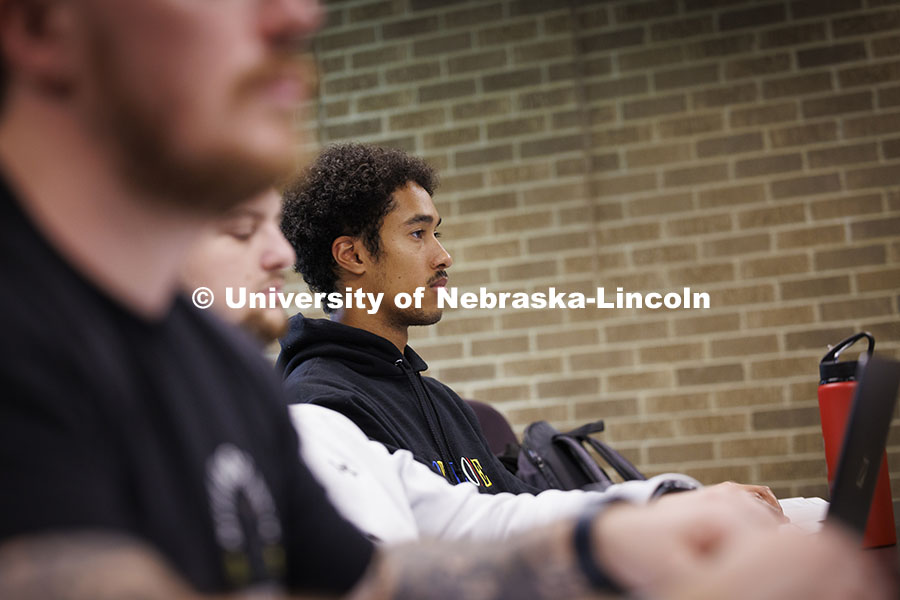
(359,318)
(128,244)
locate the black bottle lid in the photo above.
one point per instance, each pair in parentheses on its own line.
(831,370)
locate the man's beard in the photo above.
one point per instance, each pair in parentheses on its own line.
(413,317)
(266,325)
(149,159)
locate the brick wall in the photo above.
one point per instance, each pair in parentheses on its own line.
(748,149)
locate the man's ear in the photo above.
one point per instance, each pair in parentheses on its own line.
(39,42)
(350,254)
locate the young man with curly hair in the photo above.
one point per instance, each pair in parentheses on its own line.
(363,219)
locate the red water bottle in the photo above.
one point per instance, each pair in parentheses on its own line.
(837,383)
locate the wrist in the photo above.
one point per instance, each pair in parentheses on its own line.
(585,540)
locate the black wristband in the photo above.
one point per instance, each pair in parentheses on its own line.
(584,554)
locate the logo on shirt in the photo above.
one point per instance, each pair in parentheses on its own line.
(470,468)
(244,517)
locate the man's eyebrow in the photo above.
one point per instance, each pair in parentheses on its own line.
(420,219)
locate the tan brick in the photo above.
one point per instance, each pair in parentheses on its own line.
(606,186)
(872,177)
(677,403)
(774,266)
(524,416)
(786,418)
(413,72)
(465,325)
(875,228)
(869,74)
(607,211)
(482,108)
(352,83)
(792,469)
(491,154)
(475,15)
(817,287)
(680,453)
(591,263)
(732,195)
(843,155)
(656,155)
(728,95)
(384,101)
(665,254)
(542,50)
(529,270)
(440,351)
(690,76)
(796,85)
(660,204)
(608,41)
(810,236)
(503,345)
(763,115)
(671,353)
(468,373)
(843,207)
(710,374)
(803,134)
(768,165)
(442,44)
(599,360)
(858,308)
(531,318)
(644,430)
(850,257)
(604,409)
(778,369)
(562,96)
(655,57)
(838,104)
(712,424)
(417,119)
(470,277)
(754,294)
(693,276)
(640,331)
(706,324)
(735,245)
(753,447)
(558,242)
(757,65)
(566,387)
(690,125)
(567,339)
(581,165)
(476,61)
(699,225)
(695,175)
(629,233)
(490,202)
(552,193)
(793,35)
(805,392)
(504,393)
(744,345)
(442,138)
(345,39)
(774,317)
(808,442)
(358,128)
(815,338)
(806,186)
(522,222)
(532,366)
(882,279)
(755,396)
(878,124)
(730,144)
(681,28)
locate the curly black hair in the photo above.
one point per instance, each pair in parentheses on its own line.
(348,190)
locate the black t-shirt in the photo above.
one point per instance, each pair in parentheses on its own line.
(173,431)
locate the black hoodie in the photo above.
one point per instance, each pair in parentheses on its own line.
(364,377)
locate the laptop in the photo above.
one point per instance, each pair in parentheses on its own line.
(865,439)
(864,442)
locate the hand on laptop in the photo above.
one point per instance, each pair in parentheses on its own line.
(649,549)
(760,492)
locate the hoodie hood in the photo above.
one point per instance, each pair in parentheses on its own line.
(369,354)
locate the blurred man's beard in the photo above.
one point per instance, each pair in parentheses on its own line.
(149,158)
(265,324)
(413,317)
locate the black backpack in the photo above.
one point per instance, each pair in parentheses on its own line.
(548,459)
